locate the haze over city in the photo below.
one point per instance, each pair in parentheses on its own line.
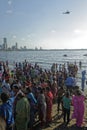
(44,23)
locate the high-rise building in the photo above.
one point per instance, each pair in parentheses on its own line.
(5,43)
(16,45)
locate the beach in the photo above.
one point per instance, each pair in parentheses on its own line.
(43,65)
(57,120)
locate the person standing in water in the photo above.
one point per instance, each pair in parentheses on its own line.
(83,80)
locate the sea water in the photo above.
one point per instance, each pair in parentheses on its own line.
(45,58)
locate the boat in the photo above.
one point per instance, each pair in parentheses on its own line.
(65,55)
(85,55)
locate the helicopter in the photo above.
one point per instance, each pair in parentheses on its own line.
(66,12)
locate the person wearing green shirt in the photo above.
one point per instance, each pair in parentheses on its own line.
(22,113)
(66,107)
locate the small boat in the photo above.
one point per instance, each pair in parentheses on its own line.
(85,55)
(65,55)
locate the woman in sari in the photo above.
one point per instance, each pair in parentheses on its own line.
(78,104)
(42,106)
(49,101)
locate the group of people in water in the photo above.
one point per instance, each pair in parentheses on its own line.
(28,93)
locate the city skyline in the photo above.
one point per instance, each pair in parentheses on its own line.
(37,23)
(5,46)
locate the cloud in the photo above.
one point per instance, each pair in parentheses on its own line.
(53,31)
(14,37)
(23,39)
(80,33)
(9,12)
(9,2)
(77,31)
(29,35)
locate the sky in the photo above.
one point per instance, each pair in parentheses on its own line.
(42,23)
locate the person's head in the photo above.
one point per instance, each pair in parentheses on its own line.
(47,89)
(4,97)
(29,90)
(67,94)
(38,90)
(20,95)
(2,124)
(77,87)
(78,92)
(61,87)
(42,90)
(15,88)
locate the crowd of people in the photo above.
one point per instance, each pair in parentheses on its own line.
(28,92)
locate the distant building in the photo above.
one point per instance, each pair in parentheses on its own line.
(4,43)
(25,47)
(36,48)
(0,47)
(40,48)
(13,47)
(16,45)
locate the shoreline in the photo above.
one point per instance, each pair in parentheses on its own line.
(45,50)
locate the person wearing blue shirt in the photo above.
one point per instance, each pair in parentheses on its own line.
(33,106)
(69,83)
(83,80)
(6,111)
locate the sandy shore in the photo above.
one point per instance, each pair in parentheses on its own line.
(57,120)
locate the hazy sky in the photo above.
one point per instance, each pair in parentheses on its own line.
(42,23)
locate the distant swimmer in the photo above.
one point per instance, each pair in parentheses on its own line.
(80,64)
(66,12)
